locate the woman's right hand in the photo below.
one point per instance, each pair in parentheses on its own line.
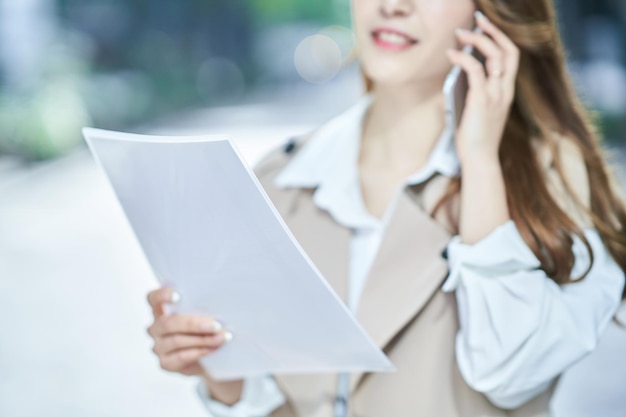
(179,340)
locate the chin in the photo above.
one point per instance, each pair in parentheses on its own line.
(402,73)
(392,75)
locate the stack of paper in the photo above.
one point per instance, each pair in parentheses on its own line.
(209,230)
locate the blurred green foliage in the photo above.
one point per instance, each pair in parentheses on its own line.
(612,127)
(272,11)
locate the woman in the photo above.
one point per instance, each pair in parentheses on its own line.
(534,238)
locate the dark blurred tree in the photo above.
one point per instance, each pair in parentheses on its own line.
(167,40)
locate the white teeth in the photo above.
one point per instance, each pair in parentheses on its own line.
(393,38)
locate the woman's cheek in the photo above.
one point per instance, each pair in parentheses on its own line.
(447,15)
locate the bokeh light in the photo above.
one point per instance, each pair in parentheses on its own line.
(318,58)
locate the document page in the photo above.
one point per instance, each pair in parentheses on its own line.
(209,230)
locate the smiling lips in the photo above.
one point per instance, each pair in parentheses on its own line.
(392,39)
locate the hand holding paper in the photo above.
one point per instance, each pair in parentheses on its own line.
(209,230)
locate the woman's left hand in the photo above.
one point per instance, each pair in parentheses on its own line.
(490,95)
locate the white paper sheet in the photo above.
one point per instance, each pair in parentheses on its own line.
(209,230)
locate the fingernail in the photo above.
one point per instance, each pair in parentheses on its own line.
(460,31)
(479,15)
(228,336)
(174,297)
(213,326)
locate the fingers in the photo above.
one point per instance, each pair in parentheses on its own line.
(474,69)
(511,52)
(195,325)
(160,297)
(502,60)
(170,344)
(180,341)
(183,359)
(493,58)
(487,47)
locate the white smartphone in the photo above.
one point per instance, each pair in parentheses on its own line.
(455,89)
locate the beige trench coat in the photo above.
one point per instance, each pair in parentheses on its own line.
(402,309)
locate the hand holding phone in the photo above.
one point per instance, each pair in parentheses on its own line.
(455,89)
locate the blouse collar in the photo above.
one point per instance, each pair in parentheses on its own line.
(328,161)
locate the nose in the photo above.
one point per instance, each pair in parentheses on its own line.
(393,8)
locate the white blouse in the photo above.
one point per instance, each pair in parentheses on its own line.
(518,331)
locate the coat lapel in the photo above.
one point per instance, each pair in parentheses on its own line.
(327,245)
(407,271)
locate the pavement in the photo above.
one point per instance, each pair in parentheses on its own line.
(73,282)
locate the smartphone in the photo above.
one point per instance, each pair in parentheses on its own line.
(455,89)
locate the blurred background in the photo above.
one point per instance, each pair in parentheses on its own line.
(72,277)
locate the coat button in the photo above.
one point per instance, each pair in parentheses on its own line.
(290,146)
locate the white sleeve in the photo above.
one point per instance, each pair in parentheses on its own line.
(519,330)
(259,398)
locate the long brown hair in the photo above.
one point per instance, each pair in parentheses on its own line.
(546,102)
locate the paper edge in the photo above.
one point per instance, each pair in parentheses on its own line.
(91,134)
